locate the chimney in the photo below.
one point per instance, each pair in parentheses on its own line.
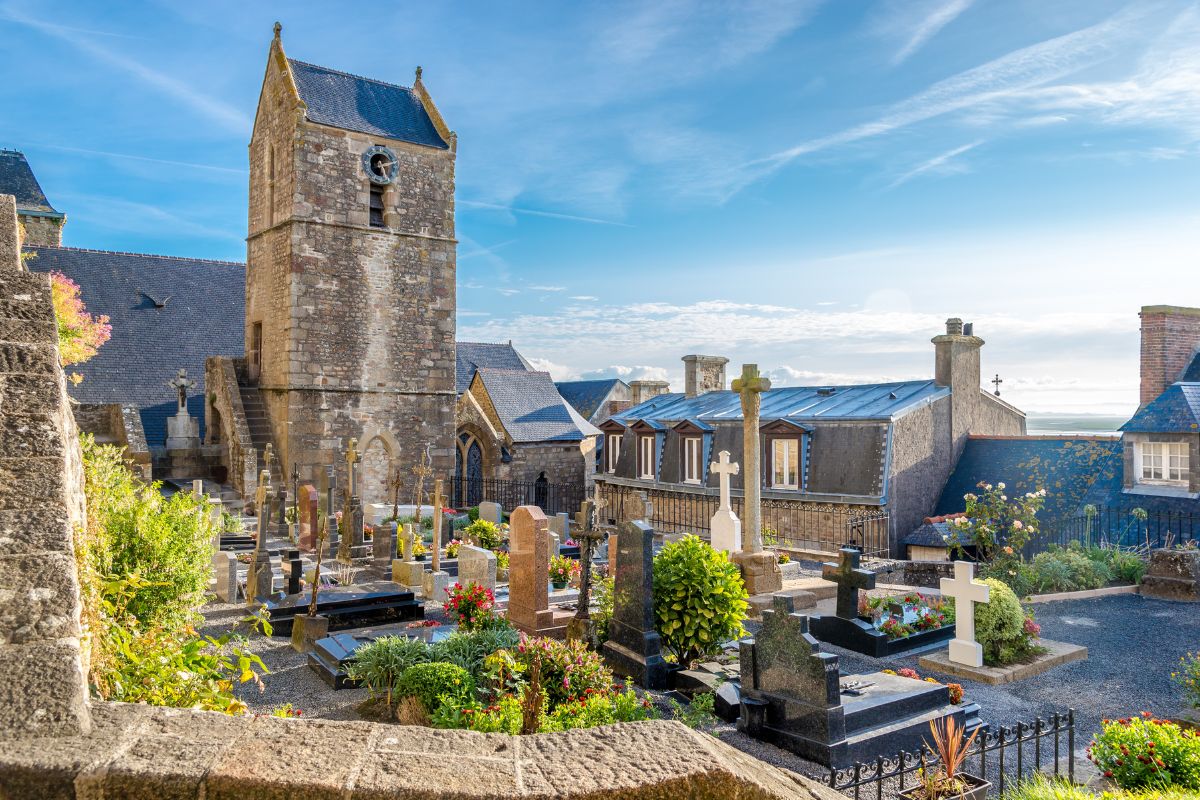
(1170,339)
(644,390)
(956,365)
(702,374)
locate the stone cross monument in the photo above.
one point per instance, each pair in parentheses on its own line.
(759,569)
(849,578)
(581,626)
(726,528)
(436,581)
(259,580)
(181,384)
(183,430)
(966,592)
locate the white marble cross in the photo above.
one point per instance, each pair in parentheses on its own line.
(966,593)
(725,529)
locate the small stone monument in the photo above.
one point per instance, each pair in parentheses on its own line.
(760,570)
(405,570)
(383,542)
(260,579)
(966,592)
(725,526)
(560,525)
(353,535)
(528,575)
(436,581)
(633,647)
(490,511)
(581,625)
(183,430)
(295,571)
(225,565)
(476,565)
(309,507)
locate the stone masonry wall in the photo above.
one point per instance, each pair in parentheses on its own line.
(113,423)
(358,322)
(1170,337)
(42,685)
(227,426)
(42,231)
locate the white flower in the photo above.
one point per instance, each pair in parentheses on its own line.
(999,485)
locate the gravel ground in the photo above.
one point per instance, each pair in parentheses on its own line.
(1133,645)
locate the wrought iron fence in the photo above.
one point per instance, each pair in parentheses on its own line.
(1125,526)
(552,498)
(1002,756)
(786,523)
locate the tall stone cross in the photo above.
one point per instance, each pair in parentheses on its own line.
(849,578)
(966,592)
(750,386)
(579,627)
(725,529)
(181,384)
(353,458)
(258,578)
(437,524)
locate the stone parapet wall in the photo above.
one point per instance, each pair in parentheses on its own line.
(226,424)
(139,751)
(113,423)
(41,231)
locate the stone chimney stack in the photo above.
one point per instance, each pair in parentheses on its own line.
(956,366)
(1170,339)
(642,391)
(702,374)
(10,235)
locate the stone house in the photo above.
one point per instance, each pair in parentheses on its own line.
(838,462)
(41,222)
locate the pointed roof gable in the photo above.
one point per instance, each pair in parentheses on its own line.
(531,409)
(470,356)
(586,396)
(1192,373)
(354,103)
(1176,410)
(17,179)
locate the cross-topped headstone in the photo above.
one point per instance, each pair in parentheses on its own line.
(966,592)
(353,458)
(181,384)
(268,456)
(724,469)
(725,527)
(579,627)
(394,483)
(849,578)
(785,659)
(259,581)
(996,381)
(296,491)
(437,524)
(750,387)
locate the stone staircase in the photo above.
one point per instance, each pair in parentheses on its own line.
(260,429)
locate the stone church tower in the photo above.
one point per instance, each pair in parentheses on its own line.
(350,279)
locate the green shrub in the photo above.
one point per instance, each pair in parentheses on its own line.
(1015,574)
(1041,787)
(1000,626)
(1068,570)
(569,669)
(504,716)
(696,714)
(473,513)
(699,598)
(1140,752)
(1187,677)
(435,683)
(379,664)
(1127,567)
(486,533)
(602,590)
(469,649)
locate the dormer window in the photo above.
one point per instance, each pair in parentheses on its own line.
(377,218)
(612,450)
(1163,463)
(646,458)
(785,463)
(693,459)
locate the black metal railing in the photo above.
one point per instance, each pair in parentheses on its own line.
(1125,526)
(787,523)
(552,498)
(1001,756)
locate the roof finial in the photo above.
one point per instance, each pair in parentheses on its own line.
(419,74)
(278,29)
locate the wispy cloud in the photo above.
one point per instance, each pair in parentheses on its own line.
(476,250)
(540,213)
(545,288)
(126,215)
(928,26)
(216,110)
(584,297)
(145,159)
(942,164)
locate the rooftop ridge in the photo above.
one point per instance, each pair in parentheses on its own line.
(1034,437)
(137,255)
(350,75)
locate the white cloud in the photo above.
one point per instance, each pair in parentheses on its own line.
(584,297)
(626,373)
(558,372)
(934,18)
(941,164)
(541,213)
(543,288)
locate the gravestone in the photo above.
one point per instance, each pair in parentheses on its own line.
(633,647)
(760,570)
(383,542)
(793,696)
(295,571)
(553,544)
(528,575)
(581,625)
(225,565)
(434,583)
(725,527)
(476,565)
(490,511)
(560,525)
(260,580)
(966,592)
(309,518)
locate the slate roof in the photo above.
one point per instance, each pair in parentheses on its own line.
(203,316)
(470,356)
(1176,410)
(17,179)
(876,401)
(931,534)
(530,407)
(362,104)
(1191,374)
(586,396)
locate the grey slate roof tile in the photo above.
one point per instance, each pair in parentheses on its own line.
(470,356)
(17,179)
(1176,410)
(530,407)
(586,396)
(354,103)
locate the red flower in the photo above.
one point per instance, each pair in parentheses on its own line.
(1108,773)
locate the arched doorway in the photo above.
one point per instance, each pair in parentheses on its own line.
(468,471)
(379,458)
(541,492)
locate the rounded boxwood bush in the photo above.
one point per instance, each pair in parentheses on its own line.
(430,682)
(699,598)
(999,623)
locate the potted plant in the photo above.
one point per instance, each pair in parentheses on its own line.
(418,550)
(501,566)
(561,569)
(945,780)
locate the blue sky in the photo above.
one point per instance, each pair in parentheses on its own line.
(814,186)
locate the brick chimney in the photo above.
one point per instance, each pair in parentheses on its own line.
(703,374)
(956,365)
(644,390)
(1170,338)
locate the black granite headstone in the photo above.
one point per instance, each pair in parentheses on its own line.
(633,648)
(295,571)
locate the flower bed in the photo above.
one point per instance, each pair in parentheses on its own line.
(899,617)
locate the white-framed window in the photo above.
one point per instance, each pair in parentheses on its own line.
(1163,462)
(693,459)
(785,463)
(612,448)
(646,458)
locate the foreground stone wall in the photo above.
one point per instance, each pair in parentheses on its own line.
(138,751)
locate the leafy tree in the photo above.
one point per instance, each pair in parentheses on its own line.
(80,334)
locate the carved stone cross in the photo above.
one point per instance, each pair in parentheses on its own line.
(966,592)
(181,384)
(438,500)
(725,529)
(750,386)
(724,470)
(268,456)
(849,578)
(353,458)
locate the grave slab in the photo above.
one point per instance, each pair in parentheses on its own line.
(330,656)
(1058,653)
(347,606)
